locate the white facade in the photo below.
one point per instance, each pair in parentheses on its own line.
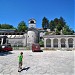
(32,23)
(32,34)
(25,39)
(31,37)
(59,41)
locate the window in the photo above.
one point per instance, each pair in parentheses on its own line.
(32,21)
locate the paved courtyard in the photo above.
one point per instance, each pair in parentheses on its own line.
(38,63)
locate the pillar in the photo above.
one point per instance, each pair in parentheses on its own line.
(67,43)
(45,42)
(1,41)
(51,42)
(59,43)
(74,42)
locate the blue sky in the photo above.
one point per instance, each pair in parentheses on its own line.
(14,11)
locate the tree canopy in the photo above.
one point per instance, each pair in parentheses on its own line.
(22,27)
(57,25)
(45,23)
(6,26)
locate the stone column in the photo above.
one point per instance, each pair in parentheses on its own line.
(1,41)
(67,43)
(74,42)
(59,43)
(44,42)
(51,42)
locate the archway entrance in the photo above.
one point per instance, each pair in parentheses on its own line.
(63,43)
(48,43)
(70,42)
(55,43)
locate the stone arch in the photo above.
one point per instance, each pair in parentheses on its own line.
(63,42)
(55,42)
(70,42)
(31,21)
(48,43)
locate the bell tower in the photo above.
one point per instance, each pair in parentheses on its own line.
(32,23)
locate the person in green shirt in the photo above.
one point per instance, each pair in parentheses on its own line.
(20,61)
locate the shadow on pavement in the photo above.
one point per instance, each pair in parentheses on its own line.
(38,51)
(5,53)
(25,68)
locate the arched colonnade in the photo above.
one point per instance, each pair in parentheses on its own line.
(59,41)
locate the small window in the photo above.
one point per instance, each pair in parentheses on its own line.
(31,21)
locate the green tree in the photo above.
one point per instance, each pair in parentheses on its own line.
(41,42)
(52,25)
(67,30)
(45,23)
(57,32)
(62,21)
(6,26)
(22,27)
(59,26)
(47,33)
(56,21)
(0,26)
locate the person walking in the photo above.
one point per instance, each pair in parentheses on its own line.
(20,61)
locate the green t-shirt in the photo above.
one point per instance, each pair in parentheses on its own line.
(20,58)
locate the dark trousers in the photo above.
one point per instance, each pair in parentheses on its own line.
(20,65)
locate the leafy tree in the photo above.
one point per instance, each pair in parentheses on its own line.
(59,27)
(67,30)
(47,33)
(56,21)
(57,32)
(22,26)
(0,26)
(6,26)
(52,25)
(62,21)
(41,43)
(59,24)
(45,23)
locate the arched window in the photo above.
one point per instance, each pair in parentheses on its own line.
(55,43)
(70,42)
(63,42)
(48,43)
(32,21)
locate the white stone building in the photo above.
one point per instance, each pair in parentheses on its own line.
(59,41)
(22,38)
(34,34)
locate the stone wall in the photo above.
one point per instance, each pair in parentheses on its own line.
(18,41)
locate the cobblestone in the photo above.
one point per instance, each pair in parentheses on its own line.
(38,63)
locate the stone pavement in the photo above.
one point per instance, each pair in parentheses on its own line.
(38,63)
